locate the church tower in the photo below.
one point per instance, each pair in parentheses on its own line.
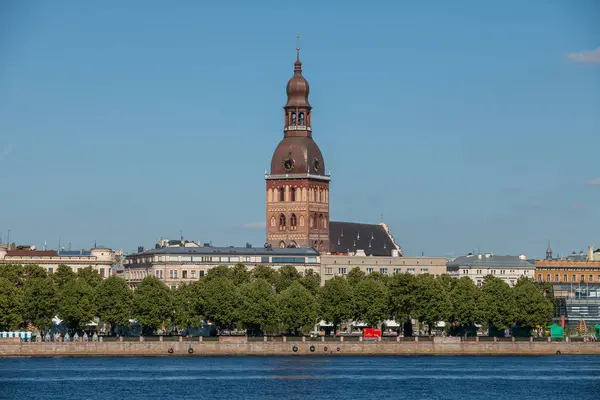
(297,186)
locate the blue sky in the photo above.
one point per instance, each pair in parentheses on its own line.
(466,125)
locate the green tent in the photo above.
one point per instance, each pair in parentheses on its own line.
(556,331)
(597,329)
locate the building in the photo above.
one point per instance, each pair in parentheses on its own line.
(175,265)
(297,189)
(571,269)
(100,259)
(340,265)
(478,266)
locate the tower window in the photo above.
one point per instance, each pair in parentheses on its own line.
(293,119)
(301,119)
(282,221)
(293,221)
(293,194)
(281,194)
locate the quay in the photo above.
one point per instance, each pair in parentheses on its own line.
(242,347)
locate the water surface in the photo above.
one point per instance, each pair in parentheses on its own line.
(250,378)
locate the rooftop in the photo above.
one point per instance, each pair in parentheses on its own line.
(231,250)
(491,260)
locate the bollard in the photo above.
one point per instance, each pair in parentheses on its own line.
(398,338)
(341,338)
(360,338)
(530,339)
(567,339)
(200,339)
(160,338)
(284,339)
(322,338)
(476,339)
(379,338)
(141,338)
(264,339)
(120,338)
(100,339)
(180,339)
(304,338)
(549,339)
(513,339)
(495,339)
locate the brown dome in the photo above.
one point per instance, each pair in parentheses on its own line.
(305,154)
(297,88)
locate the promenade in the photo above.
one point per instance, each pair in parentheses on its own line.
(242,347)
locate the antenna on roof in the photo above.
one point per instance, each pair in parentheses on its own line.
(95,244)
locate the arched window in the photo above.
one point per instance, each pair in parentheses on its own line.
(293,119)
(315,244)
(293,221)
(282,221)
(301,119)
(282,244)
(301,220)
(281,194)
(273,221)
(293,244)
(321,224)
(315,221)
(293,194)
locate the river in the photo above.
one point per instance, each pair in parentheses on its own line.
(249,378)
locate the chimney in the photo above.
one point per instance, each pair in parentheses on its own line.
(590,253)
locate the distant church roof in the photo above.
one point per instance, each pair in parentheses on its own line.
(373,239)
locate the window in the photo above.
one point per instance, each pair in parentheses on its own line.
(184,274)
(591,278)
(369,270)
(201,273)
(582,278)
(425,270)
(174,258)
(315,222)
(383,271)
(50,270)
(342,271)
(301,119)
(176,273)
(397,270)
(293,194)
(264,260)
(411,270)
(290,260)
(565,277)
(102,272)
(328,271)
(574,278)
(193,274)
(293,221)
(556,278)
(282,221)
(464,271)
(171,274)
(281,194)
(547,277)
(539,277)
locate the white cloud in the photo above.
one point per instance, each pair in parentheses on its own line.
(593,182)
(255,225)
(585,56)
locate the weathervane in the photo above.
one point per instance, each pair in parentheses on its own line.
(298,48)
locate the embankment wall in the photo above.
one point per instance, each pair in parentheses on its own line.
(71,349)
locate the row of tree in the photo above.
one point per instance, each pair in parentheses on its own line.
(267,300)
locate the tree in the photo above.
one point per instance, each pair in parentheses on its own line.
(220,301)
(76,305)
(39,302)
(239,274)
(115,301)
(15,274)
(311,281)
(264,272)
(498,303)
(11,305)
(258,305)
(286,275)
(466,304)
(297,308)
(533,306)
(34,271)
(188,311)
(335,301)
(91,276)
(63,275)
(152,304)
(221,271)
(432,302)
(371,302)
(402,300)
(355,276)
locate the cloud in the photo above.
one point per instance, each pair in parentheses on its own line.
(6,151)
(577,206)
(585,56)
(255,225)
(593,182)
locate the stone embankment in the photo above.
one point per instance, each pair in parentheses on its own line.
(243,347)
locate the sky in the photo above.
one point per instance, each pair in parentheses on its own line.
(466,125)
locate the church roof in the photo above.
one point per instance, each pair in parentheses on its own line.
(348,237)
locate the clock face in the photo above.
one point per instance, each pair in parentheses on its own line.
(288,163)
(316,164)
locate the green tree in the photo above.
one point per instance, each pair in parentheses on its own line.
(90,275)
(355,275)
(220,300)
(15,274)
(534,307)
(402,300)
(115,301)
(432,302)
(34,271)
(311,281)
(264,272)
(62,275)
(258,305)
(239,274)
(335,301)
(188,306)
(76,305)
(498,305)
(152,305)
(39,302)
(297,308)
(286,275)
(221,271)
(371,302)
(466,304)
(11,305)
